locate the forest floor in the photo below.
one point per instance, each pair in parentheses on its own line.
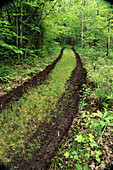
(54,111)
(15,73)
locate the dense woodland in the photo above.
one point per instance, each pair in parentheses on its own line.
(32,32)
(29,26)
(32,29)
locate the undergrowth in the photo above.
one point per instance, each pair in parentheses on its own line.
(16,71)
(100,73)
(19,122)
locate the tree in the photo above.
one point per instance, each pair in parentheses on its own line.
(109,30)
(26,19)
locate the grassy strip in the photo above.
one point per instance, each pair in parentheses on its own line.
(20,122)
(88,144)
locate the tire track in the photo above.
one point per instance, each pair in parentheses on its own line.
(68,105)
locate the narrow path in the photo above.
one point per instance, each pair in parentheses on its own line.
(68,106)
(32,110)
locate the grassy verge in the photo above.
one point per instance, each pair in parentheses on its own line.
(19,123)
(17,71)
(88,144)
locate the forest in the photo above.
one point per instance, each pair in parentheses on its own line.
(44,44)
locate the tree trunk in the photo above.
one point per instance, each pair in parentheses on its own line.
(17,26)
(82,25)
(109,28)
(8,13)
(21,5)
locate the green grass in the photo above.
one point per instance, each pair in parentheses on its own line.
(20,122)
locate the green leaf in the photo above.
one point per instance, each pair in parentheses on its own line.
(78,166)
(80,138)
(91,137)
(94,121)
(87,155)
(36,28)
(93,143)
(67,154)
(86,167)
(106,114)
(92,152)
(75,155)
(98,153)
(110,124)
(99,114)
(102,124)
(98,159)
(109,118)
(105,104)
(96,114)
(99,129)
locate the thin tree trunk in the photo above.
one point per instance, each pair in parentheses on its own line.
(8,13)
(17,32)
(82,25)
(21,5)
(17,26)
(109,28)
(97,9)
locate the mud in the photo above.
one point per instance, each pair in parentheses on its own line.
(67,108)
